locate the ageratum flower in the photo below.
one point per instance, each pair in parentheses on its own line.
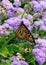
(33,3)
(38,23)
(13,58)
(43,4)
(19,63)
(29,17)
(3,31)
(16,21)
(43,27)
(40,41)
(36,6)
(41,24)
(17,3)
(7,26)
(24,63)
(15,63)
(7,4)
(40,51)
(40,60)
(44,15)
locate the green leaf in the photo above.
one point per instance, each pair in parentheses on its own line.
(7,62)
(44,63)
(4,51)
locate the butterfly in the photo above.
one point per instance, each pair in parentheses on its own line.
(23,32)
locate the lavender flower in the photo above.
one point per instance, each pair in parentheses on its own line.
(21,10)
(38,23)
(29,17)
(17,3)
(40,51)
(13,58)
(24,63)
(16,63)
(7,4)
(40,60)
(44,15)
(15,22)
(10,14)
(43,28)
(40,41)
(43,4)
(19,63)
(38,8)
(7,26)
(33,3)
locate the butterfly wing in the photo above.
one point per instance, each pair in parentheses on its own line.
(20,32)
(23,32)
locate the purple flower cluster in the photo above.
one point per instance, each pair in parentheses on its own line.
(19,63)
(40,23)
(16,60)
(40,51)
(7,4)
(17,3)
(15,21)
(3,31)
(38,6)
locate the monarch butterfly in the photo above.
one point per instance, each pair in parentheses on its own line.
(23,32)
